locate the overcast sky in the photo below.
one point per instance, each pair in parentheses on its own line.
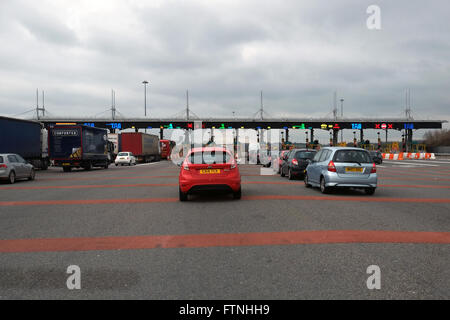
(224,53)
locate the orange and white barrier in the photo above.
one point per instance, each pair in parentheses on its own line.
(408,156)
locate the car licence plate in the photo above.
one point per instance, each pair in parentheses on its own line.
(209,171)
(353,169)
(66,164)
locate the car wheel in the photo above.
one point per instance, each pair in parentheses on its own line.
(88,167)
(307,182)
(369,191)
(282,173)
(237,194)
(67,169)
(12,177)
(183,196)
(32,175)
(117,164)
(324,189)
(290,176)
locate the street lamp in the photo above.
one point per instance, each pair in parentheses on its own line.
(145,82)
(342,117)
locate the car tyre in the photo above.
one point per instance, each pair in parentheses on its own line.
(238,194)
(369,191)
(183,195)
(12,177)
(324,189)
(282,173)
(32,175)
(306,181)
(67,169)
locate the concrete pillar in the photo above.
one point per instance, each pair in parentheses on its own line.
(287,134)
(361,135)
(235,141)
(312,136)
(409,139)
(161,134)
(335,137)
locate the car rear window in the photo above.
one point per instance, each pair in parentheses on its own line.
(305,154)
(207,157)
(123,154)
(352,156)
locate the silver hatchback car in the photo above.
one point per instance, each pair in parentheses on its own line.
(335,167)
(13,167)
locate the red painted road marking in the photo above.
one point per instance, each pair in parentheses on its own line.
(222,240)
(262,197)
(176,184)
(381,177)
(347,199)
(106,178)
(78,202)
(413,186)
(93,186)
(132,185)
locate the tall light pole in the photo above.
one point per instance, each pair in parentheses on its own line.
(342,117)
(145,82)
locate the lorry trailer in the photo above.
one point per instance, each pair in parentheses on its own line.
(145,147)
(25,138)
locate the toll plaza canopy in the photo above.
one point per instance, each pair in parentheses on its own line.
(240,123)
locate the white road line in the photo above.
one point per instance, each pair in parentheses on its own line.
(433,161)
(400,162)
(146,164)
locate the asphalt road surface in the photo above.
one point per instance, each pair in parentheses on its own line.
(131,238)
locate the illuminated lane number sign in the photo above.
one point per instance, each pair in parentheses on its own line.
(409,126)
(356,126)
(115,125)
(90,124)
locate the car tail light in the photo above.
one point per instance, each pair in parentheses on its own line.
(374,168)
(3,166)
(331,167)
(295,162)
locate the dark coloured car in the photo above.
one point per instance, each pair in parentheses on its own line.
(280,159)
(296,162)
(377,157)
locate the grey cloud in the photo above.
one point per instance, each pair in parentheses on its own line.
(298,54)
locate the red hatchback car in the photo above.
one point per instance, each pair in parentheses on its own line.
(209,168)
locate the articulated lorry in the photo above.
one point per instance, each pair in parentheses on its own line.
(79,146)
(25,138)
(145,147)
